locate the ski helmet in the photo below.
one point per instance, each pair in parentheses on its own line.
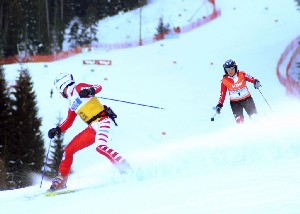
(229,64)
(62,81)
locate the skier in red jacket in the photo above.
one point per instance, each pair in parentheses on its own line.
(98,117)
(240,98)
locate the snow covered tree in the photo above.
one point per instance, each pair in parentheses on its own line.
(90,26)
(26,153)
(83,33)
(73,35)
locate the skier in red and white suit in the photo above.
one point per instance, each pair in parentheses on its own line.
(99,118)
(234,81)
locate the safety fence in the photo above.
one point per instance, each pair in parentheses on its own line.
(285,78)
(112,46)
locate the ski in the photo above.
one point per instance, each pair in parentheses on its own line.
(138,175)
(51,193)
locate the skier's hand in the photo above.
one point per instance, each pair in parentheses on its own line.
(87,92)
(53,132)
(219,108)
(256,84)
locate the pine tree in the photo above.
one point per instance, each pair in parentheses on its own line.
(29,32)
(5,127)
(89,21)
(39,25)
(12,26)
(43,34)
(4,112)
(74,38)
(298,2)
(162,29)
(84,30)
(3,180)
(26,154)
(56,153)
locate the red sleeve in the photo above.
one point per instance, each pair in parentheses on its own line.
(81,86)
(222,93)
(248,77)
(97,88)
(68,121)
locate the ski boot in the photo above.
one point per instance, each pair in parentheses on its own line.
(59,182)
(124,168)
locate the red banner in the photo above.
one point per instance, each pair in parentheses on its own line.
(97,62)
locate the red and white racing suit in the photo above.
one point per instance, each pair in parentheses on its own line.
(91,111)
(240,97)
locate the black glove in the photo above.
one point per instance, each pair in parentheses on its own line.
(53,132)
(87,92)
(256,84)
(219,108)
(111,114)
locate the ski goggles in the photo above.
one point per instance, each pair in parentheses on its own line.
(229,68)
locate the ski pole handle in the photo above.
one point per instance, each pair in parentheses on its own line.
(213,117)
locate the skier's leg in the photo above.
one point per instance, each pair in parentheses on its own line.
(102,137)
(250,107)
(80,141)
(237,110)
(115,158)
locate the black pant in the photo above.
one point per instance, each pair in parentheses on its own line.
(238,106)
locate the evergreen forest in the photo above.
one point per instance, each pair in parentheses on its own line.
(39,26)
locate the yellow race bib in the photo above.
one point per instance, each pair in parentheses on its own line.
(90,109)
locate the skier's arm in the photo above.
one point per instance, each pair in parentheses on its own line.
(253,80)
(222,94)
(223,91)
(249,78)
(97,88)
(68,121)
(64,126)
(85,90)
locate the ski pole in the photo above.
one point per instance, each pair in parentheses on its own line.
(123,101)
(44,169)
(213,117)
(265,99)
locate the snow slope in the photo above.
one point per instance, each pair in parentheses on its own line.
(197,166)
